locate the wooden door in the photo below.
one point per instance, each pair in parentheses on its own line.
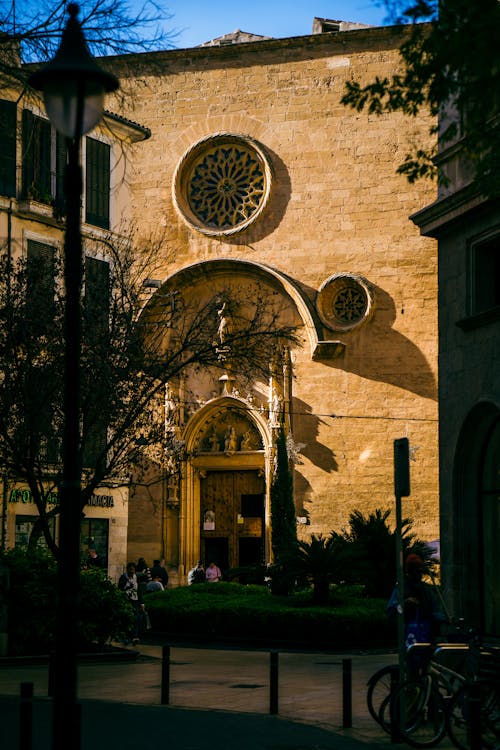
(232,508)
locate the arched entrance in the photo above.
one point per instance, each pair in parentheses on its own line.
(225,512)
(475,549)
(232,505)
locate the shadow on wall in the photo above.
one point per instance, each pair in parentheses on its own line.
(378,352)
(306,431)
(304,493)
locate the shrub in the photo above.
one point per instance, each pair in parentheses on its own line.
(32,603)
(105,613)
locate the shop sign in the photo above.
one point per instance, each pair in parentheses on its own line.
(18,495)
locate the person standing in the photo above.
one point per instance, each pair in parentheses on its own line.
(213,573)
(197,574)
(129,584)
(160,570)
(93,559)
(421,611)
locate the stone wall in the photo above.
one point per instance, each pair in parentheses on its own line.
(337,205)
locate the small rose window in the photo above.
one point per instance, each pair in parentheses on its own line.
(344,301)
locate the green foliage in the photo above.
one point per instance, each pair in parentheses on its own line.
(453,58)
(283,516)
(105,613)
(228,611)
(372,545)
(32,601)
(319,561)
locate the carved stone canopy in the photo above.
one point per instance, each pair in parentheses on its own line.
(229,431)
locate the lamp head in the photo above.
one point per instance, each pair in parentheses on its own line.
(73,84)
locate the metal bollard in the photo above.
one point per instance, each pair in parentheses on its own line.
(273,682)
(474,717)
(347,693)
(26,716)
(51,672)
(395,736)
(165,676)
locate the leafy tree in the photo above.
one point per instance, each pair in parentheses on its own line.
(129,353)
(372,544)
(111,27)
(450,68)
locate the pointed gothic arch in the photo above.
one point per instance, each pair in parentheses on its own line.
(220,461)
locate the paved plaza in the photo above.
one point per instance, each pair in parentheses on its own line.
(217,699)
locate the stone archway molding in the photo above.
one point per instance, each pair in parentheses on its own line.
(185,277)
(197,463)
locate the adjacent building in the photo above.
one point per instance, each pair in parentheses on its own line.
(467,227)
(32,227)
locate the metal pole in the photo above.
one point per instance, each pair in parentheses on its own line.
(273,682)
(400,582)
(26,716)
(474,717)
(165,676)
(401,489)
(66,716)
(346,693)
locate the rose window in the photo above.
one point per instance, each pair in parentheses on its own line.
(222,184)
(349,305)
(344,301)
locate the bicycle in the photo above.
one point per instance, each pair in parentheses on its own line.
(380,686)
(416,708)
(383,682)
(482,690)
(440,701)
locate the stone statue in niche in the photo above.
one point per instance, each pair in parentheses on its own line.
(230,440)
(213,441)
(247,441)
(224,323)
(170,407)
(275,410)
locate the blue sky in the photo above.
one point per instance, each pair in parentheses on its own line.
(199,21)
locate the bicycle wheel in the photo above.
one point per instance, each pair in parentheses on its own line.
(379,689)
(418,712)
(458,715)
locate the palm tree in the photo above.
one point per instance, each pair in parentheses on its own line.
(373,546)
(320,561)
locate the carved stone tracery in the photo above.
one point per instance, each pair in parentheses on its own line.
(222,183)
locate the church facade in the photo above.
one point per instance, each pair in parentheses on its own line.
(265,187)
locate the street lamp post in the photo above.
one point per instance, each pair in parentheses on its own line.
(73,87)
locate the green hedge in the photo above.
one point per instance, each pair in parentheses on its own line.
(227,611)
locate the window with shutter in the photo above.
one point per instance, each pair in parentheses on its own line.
(8,150)
(36,158)
(96,310)
(97,183)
